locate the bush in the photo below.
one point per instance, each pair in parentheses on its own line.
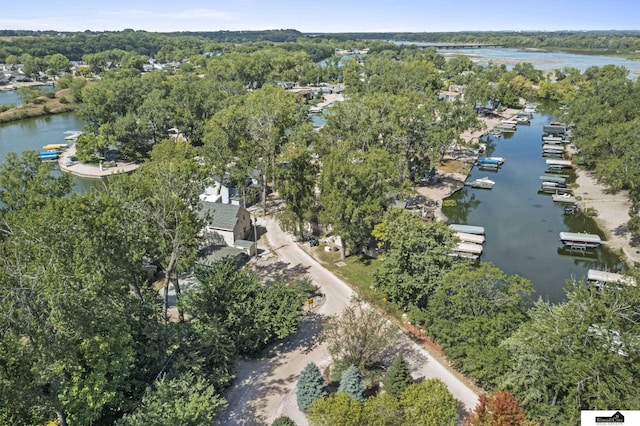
(64,100)
(283,421)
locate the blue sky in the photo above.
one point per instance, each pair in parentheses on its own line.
(321,15)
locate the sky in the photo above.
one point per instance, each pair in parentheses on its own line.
(321,16)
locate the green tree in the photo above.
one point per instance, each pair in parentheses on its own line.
(578,354)
(417,255)
(57,64)
(359,335)
(351,383)
(270,113)
(186,400)
(471,311)
(339,409)
(295,180)
(429,403)
(398,377)
(353,187)
(382,410)
(310,387)
(62,311)
(27,182)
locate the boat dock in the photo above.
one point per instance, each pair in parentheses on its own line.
(602,277)
(470,238)
(468,229)
(556,179)
(580,240)
(559,164)
(552,149)
(467,250)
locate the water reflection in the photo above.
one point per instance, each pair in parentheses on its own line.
(522,223)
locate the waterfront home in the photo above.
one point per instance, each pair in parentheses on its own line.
(227,225)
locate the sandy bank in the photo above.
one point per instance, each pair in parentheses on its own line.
(612,215)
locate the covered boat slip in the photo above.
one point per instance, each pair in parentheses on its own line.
(553,149)
(580,240)
(556,179)
(601,277)
(467,229)
(467,250)
(556,140)
(559,164)
(470,238)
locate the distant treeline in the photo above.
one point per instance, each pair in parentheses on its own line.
(74,45)
(178,45)
(610,41)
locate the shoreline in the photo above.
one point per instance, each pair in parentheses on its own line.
(612,209)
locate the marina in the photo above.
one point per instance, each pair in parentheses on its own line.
(522,221)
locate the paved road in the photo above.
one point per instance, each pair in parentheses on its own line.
(265,388)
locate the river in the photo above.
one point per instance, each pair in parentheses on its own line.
(523,224)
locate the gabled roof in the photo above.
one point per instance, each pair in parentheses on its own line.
(221,216)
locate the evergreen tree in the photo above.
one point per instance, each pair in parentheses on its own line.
(311,386)
(351,383)
(398,377)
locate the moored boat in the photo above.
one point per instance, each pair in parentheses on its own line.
(72,135)
(48,155)
(483,183)
(564,198)
(55,147)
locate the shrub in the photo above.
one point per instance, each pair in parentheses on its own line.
(283,421)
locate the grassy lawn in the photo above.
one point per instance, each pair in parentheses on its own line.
(359,274)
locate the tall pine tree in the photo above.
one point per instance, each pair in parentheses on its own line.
(311,386)
(398,377)
(351,384)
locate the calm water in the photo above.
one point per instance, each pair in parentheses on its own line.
(522,224)
(10,97)
(34,133)
(545,60)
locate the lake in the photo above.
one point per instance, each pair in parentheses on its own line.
(10,97)
(523,224)
(543,60)
(34,133)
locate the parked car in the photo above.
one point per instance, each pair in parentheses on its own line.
(313,241)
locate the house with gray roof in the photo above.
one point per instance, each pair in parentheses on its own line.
(227,225)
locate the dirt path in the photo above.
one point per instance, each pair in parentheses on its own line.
(265,388)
